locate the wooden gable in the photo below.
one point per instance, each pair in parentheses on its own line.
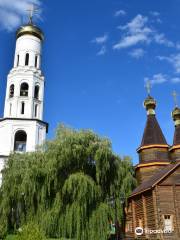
(173,178)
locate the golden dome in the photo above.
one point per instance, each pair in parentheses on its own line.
(176,115)
(30,29)
(150,104)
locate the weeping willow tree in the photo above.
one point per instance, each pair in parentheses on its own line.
(67,189)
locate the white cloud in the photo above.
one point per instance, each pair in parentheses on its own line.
(129,41)
(155,13)
(178,46)
(101,39)
(13,11)
(161,39)
(174,60)
(158,20)
(162,78)
(137,25)
(137,53)
(120,13)
(138,31)
(157,79)
(175,80)
(102,51)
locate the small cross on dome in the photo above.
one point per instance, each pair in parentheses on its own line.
(148,87)
(32,11)
(175,98)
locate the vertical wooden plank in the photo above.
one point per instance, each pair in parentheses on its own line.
(157,210)
(155,207)
(176,226)
(144,213)
(134,217)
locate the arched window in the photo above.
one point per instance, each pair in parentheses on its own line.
(11,91)
(36,92)
(36,110)
(36,61)
(27,59)
(24,89)
(17,60)
(22,107)
(20,140)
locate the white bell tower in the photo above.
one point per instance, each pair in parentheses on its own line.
(22,128)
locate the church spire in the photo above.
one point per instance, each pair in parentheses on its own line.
(153,151)
(153,134)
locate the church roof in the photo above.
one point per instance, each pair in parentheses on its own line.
(155,179)
(152,133)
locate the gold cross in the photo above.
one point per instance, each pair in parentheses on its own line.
(148,87)
(175,98)
(32,11)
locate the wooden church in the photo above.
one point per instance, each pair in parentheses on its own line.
(153,210)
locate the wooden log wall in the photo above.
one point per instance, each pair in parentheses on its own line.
(169,204)
(142,215)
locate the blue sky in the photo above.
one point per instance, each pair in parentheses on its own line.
(97,56)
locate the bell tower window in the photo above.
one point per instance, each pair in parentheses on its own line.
(11,91)
(36,110)
(36,61)
(27,59)
(20,140)
(17,60)
(24,90)
(36,92)
(22,107)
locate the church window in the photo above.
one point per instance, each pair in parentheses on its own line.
(17,60)
(22,107)
(11,91)
(27,59)
(168,222)
(24,89)
(20,141)
(128,227)
(36,61)
(36,92)
(36,110)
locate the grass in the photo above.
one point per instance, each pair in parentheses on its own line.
(10,237)
(13,237)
